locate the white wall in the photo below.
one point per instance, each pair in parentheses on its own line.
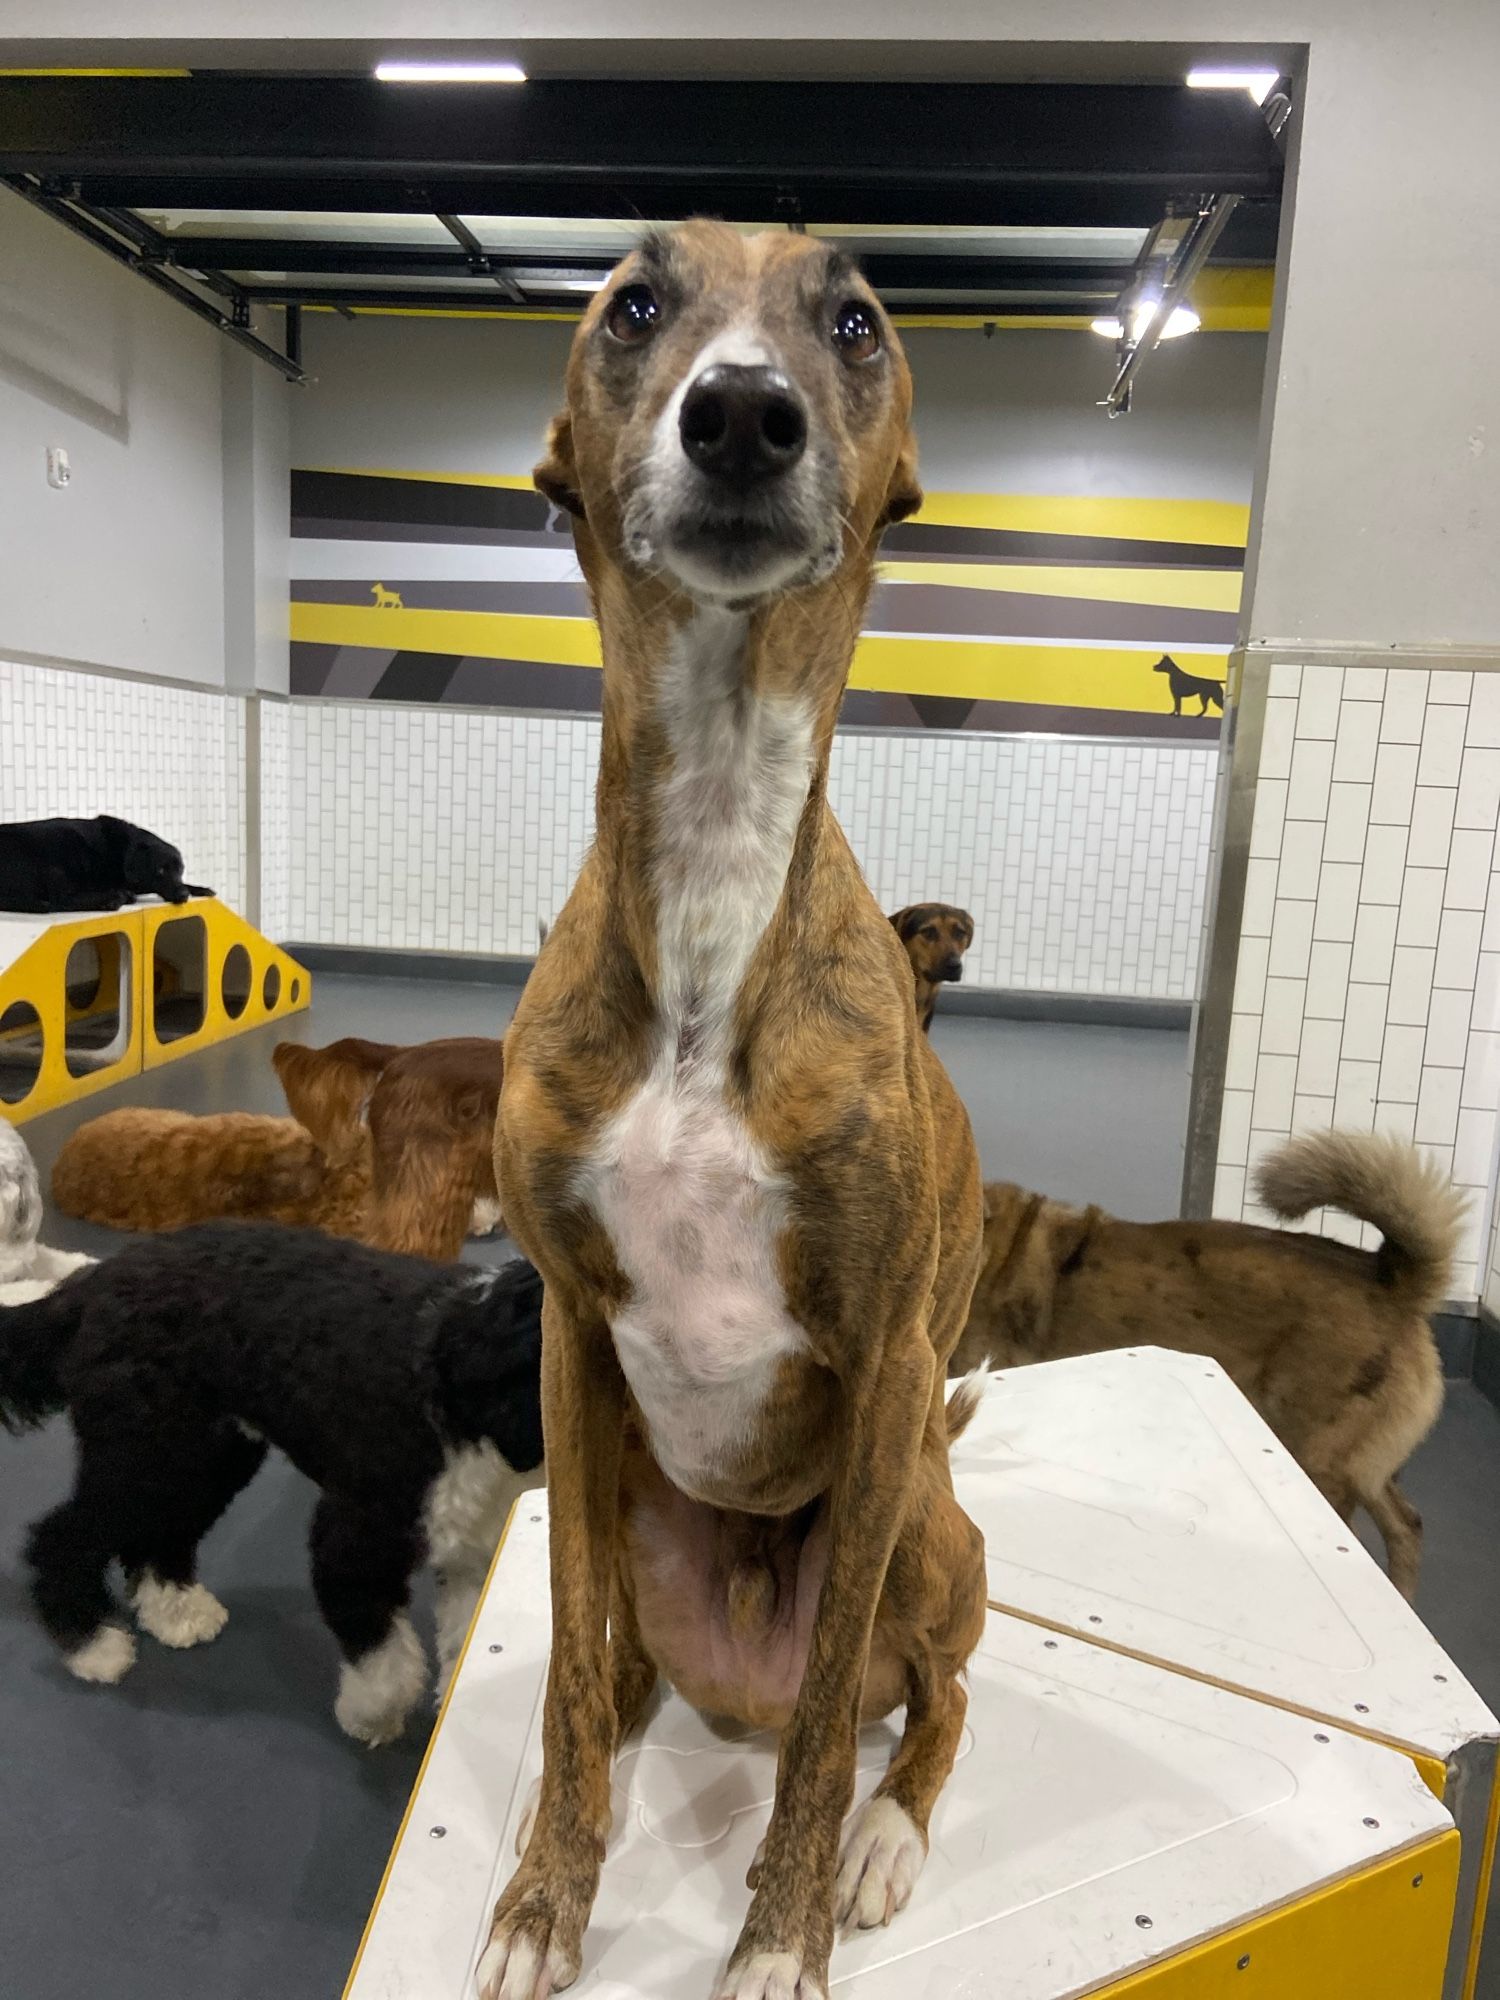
(125,568)
(257,523)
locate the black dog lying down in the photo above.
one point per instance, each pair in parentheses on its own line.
(408,1391)
(47,865)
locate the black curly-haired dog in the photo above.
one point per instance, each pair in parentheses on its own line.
(408,1391)
(47,865)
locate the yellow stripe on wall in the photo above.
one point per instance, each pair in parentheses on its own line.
(513,482)
(1182,589)
(1221,523)
(1057,676)
(981,669)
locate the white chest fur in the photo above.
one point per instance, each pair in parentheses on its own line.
(693,1210)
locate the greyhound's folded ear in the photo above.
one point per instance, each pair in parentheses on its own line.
(557,475)
(904,494)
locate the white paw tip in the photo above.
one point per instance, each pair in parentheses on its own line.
(178,1614)
(512,1968)
(104,1659)
(770,1975)
(882,1858)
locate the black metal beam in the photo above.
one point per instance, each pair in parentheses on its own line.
(758,151)
(234,325)
(941,271)
(349,297)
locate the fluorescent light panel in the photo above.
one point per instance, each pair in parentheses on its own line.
(436,72)
(1259,82)
(1180,320)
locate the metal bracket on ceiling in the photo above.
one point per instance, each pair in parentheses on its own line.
(1170,260)
(139,248)
(481,264)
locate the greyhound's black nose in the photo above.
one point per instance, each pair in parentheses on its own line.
(953,968)
(743,425)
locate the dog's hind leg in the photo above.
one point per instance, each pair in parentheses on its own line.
(362,1562)
(1401,1525)
(160,1553)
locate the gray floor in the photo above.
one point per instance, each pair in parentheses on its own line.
(204,1832)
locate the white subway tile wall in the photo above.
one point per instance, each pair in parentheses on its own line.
(1368,987)
(169,758)
(275,818)
(1082,863)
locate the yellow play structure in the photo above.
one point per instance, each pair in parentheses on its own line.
(86,1001)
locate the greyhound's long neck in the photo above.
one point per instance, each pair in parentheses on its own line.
(712,780)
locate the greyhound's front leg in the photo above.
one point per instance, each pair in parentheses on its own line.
(536,1940)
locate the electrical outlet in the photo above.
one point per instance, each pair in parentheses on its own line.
(59,472)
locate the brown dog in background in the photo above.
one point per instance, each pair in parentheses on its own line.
(1330,1343)
(936,936)
(430,1113)
(390,1145)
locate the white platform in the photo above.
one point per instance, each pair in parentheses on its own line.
(1136,1498)
(1092,1791)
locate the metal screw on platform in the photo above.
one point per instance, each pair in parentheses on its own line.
(497,1649)
(1143,1923)
(1372,1823)
(1244,1964)
(437,1833)
(1417,1881)
(1320,1738)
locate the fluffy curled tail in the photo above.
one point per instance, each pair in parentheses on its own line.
(32,1340)
(963,1404)
(1382,1180)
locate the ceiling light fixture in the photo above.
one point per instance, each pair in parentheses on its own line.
(1180,320)
(1258,82)
(449,72)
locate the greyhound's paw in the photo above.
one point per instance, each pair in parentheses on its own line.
(178,1614)
(771,1975)
(883,1855)
(525,1958)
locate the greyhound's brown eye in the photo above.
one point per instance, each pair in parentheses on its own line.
(929,931)
(856,333)
(634,314)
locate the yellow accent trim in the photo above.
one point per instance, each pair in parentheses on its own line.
(411,1803)
(1434,1774)
(1235,298)
(1057,676)
(1183,589)
(443,312)
(223,930)
(1373,1936)
(511,482)
(487,635)
(95,72)
(1219,523)
(982,670)
(1482,1903)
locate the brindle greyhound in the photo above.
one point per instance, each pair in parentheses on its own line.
(757,1256)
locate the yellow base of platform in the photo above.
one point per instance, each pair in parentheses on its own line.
(86,1001)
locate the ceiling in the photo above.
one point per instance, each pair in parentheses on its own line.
(1025,204)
